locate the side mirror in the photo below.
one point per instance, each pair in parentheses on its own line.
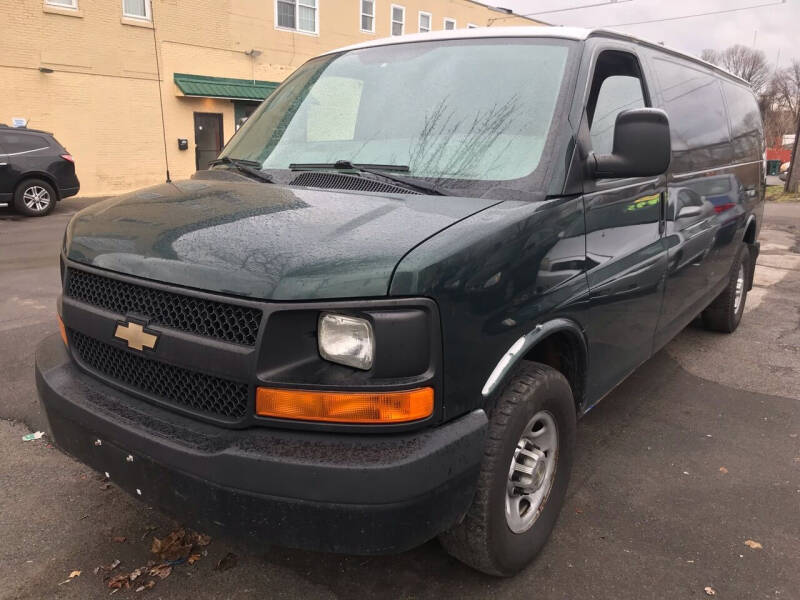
(690,211)
(641,146)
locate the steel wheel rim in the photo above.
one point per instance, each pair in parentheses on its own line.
(532,472)
(36,198)
(737,299)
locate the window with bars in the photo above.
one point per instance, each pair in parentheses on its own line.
(136,9)
(300,15)
(449,24)
(368,15)
(424,22)
(398,19)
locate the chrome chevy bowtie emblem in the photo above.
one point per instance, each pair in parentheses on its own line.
(136,336)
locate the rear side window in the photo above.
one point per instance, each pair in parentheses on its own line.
(15,143)
(697,119)
(746,125)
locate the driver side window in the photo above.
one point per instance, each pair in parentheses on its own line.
(617,86)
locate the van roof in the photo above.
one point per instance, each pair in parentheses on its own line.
(568,33)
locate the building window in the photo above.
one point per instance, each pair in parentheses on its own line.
(62,3)
(449,24)
(136,9)
(471,26)
(424,22)
(398,19)
(300,15)
(368,16)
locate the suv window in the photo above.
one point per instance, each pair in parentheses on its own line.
(745,120)
(15,143)
(697,120)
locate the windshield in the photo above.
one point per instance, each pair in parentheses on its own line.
(447,110)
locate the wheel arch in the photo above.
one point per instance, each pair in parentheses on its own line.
(44,176)
(559,343)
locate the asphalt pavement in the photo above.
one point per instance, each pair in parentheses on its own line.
(686,477)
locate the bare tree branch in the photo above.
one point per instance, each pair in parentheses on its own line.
(748,63)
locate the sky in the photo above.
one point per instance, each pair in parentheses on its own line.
(776,28)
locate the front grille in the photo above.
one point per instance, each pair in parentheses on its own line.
(179,387)
(227,322)
(337,181)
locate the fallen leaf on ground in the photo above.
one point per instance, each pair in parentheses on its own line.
(710,591)
(74,574)
(193,558)
(753,544)
(175,546)
(110,567)
(149,585)
(119,539)
(162,571)
(723,470)
(119,581)
(178,545)
(226,562)
(136,573)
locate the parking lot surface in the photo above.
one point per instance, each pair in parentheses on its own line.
(686,477)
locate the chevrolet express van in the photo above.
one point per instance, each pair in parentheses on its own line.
(376,319)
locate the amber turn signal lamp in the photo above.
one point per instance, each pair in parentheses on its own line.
(62,330)
(345,407)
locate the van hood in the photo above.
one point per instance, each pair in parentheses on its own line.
(235,236)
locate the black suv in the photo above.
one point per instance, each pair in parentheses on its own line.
(379,315)
(35,171)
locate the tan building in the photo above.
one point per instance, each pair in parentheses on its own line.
(96,72)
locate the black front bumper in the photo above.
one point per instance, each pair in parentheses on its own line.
(349,493)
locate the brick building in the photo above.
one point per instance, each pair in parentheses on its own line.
(88,70)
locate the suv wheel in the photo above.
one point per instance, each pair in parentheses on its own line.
(725,312)
(35,198)
(523,477)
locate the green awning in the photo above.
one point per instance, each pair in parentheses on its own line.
(224,87)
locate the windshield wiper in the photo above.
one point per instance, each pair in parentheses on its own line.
(372,169)
(244,166)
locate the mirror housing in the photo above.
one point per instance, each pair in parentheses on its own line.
(641,146)
(689,211)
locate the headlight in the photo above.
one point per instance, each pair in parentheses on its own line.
(346,340)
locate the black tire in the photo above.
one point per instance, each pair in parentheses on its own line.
(42,190)
(484,539)
(723,314)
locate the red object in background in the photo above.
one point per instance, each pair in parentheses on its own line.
(782,154)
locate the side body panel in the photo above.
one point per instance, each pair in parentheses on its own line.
(495,277)
(713,172)
(625,253)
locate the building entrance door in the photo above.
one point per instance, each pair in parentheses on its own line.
(207,138)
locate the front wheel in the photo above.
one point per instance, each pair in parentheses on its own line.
(524,474)
(725,312)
